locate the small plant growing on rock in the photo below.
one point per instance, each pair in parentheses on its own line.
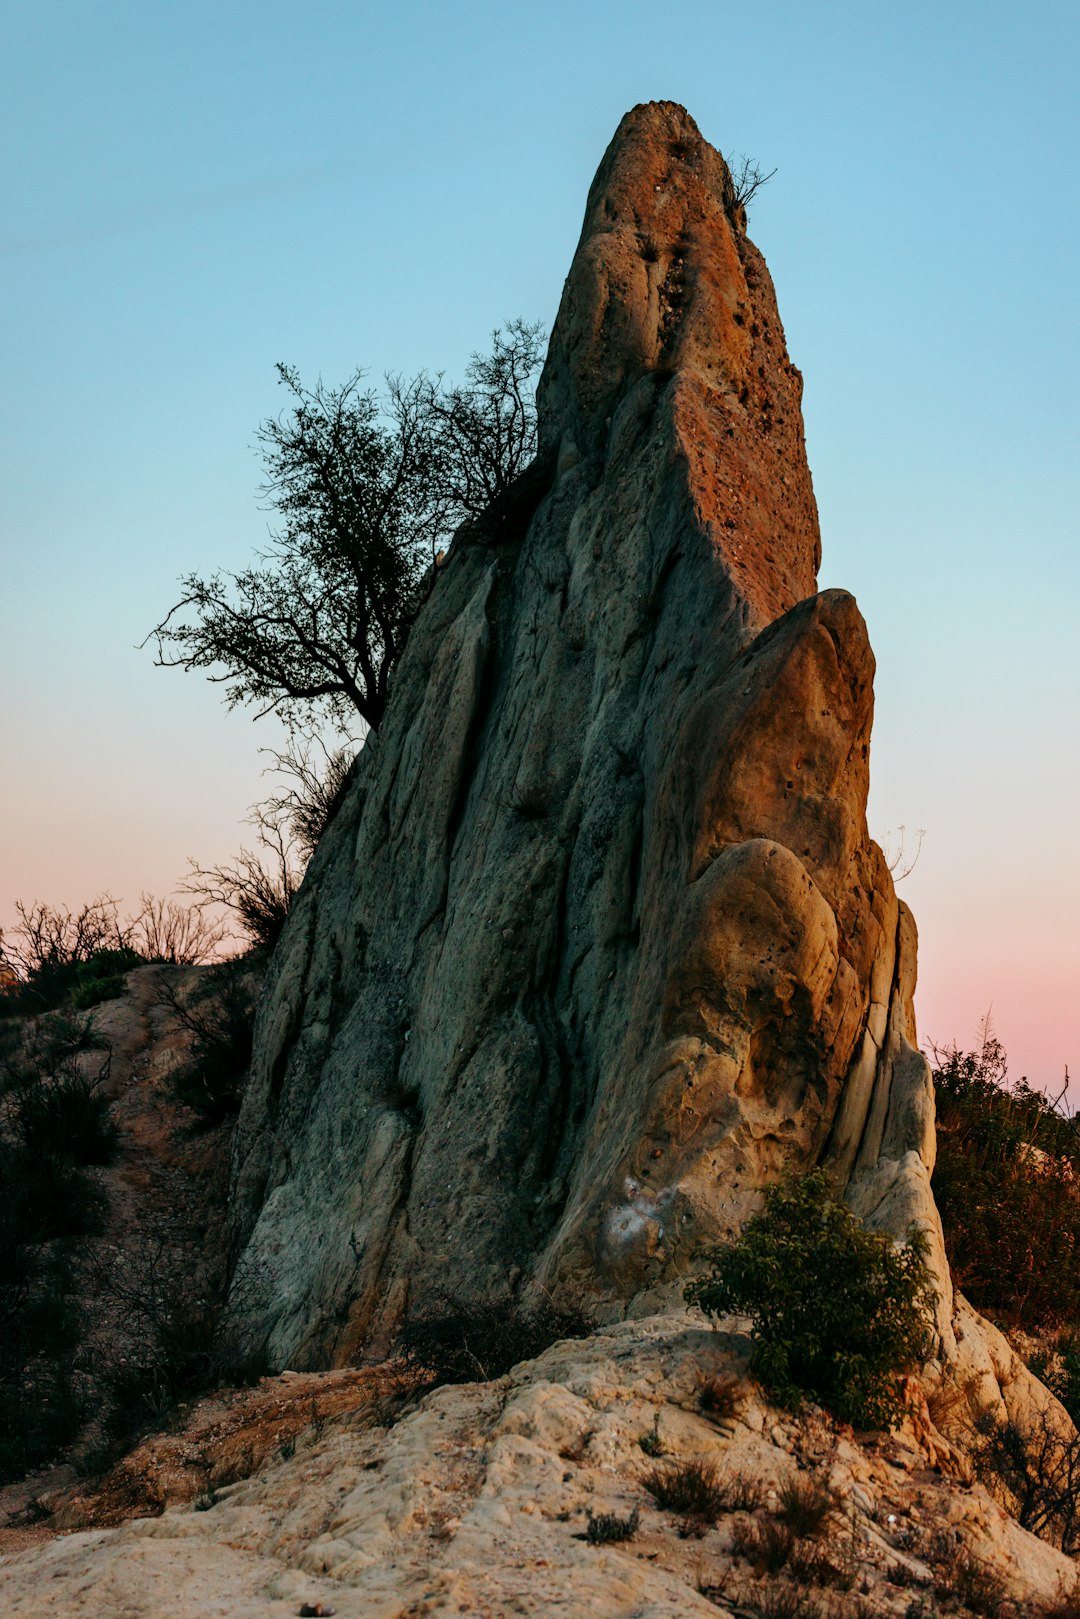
(607,1528)
(804,1506)
(693,1489)
(718,1395)
(650,1440)
(469,1342)
(839,1312)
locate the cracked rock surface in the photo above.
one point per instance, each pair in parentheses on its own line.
(477,1501)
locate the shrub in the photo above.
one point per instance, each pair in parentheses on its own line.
(467,1342)
(1060,1372)
(804,1505)
(176,1348)
(102,976)
(1037,1470)
(838,1312)
(1006,1185)
(607,1528)
(42,957)
(691,1488)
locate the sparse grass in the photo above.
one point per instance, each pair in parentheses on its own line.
(781,1599)
(741,1494)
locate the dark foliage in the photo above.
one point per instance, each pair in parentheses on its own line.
(1006,1183)
(804,1505)
(102,977)
(467,1342)
(178,1344)
(54,1125)
(1060,1372)
(56,952)
(366,490)
(838,1312)
(608,1529)
(219,1015)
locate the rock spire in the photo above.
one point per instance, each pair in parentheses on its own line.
(598,943)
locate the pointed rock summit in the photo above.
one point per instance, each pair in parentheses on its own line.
(598,943)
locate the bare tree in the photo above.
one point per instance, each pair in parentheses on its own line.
(747,178)
(182,935)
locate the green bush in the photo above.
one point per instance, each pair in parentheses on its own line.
(102,977)
(1006,1184)
(839,1312)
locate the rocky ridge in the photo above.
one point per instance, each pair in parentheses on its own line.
(477,1500)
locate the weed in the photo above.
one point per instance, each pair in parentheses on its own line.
(287,1449)
(650,1440)
(208,1499)
(804,1505)
(607,1528)
(691,1488)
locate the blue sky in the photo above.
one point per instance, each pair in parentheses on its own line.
(193,192)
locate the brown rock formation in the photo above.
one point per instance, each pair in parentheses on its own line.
(598,942)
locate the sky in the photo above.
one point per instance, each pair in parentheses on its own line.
(193,192)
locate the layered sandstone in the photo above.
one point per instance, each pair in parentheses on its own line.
(598,942)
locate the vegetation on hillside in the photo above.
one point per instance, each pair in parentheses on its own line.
(839,1313)
(1007,1183)
(55,1130)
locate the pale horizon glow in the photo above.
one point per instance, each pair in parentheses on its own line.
(193,193)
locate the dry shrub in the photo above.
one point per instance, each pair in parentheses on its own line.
(1036,1470)
(804,1505)
(693,1489)
(962,1578)
(468,1341)
(718,1394)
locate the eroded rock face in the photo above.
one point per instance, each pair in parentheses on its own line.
(598,942)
